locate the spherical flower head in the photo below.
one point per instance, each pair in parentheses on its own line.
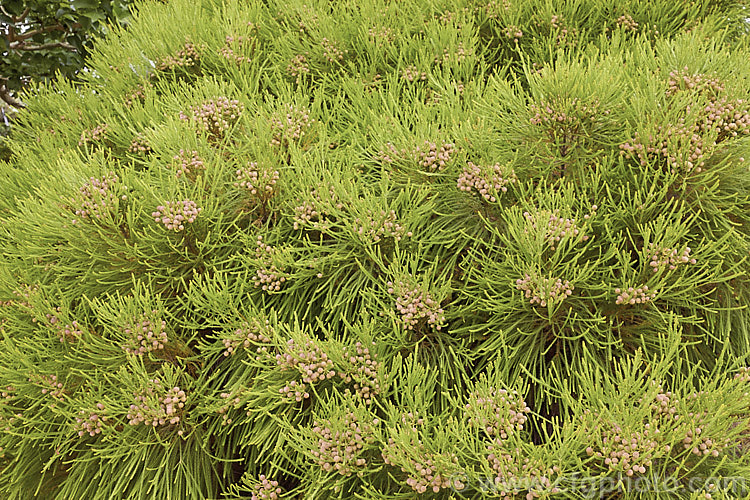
(214,117)
(174,215)
(146,333)
(289,125)
(266,489)
(157,406)
(544,291)
(489,182)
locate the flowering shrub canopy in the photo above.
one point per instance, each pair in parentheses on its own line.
(373,249)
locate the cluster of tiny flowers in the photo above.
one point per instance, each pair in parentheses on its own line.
(145,334)
(90,422)
(138,95)
(139,145)
(412,74)
(266,489)
(310,361)
(175,214)
(727,118)
(488,181)
(98,197)
(627,452)
(184,58)
(340,444)
(743,375)
(554,227)
(232,401)
(290,125)
(512,32)
(215,116)
(665,405)
(424,473)
(639,295)
(564,33)
(375,226)
(415,305)
(269,278)
(680,145)
(680,80)
(69,332)
(364,373)
(189,164)
(459,55)
(249,334)
(331,51)
(380,35)
(434,157)
(568,113)
(668,257)
(515,470)
(260,182)
(50,386)
(497,412)
(227,51)
(308,213)
(94,135)
(627,22)
(494,8)
(298,67)
(544,291)
(155,408)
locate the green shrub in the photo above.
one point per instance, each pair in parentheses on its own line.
(383,250)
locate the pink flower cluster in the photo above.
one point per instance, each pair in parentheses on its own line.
(627,23)
(232,401)
(298,67)
(175,214)
(425,470)
(268,277)
(310,361)
(375,226)
(94,135)
(215,116)
(627,451)
(233,43)
(512,32)
(513,468)
(363,371)
(155,406)
(680,145)
(69,332)
(90,422)
(341,444)
(138,95)
(380,35)
(250,333)
(261,182)
(728,118)
(140,145)
(184,58)
(488,181)
(497,412)
(331,51)
(681,80)
(458,55)
(50,385)
(308,213)
(565,34)
(189,164)
(553,227)
(568,113)
(434,157)
(416,306)
(289,125)
(630,296)
(266,489)
(544,291)
(147,333)
(98,197)
(412,74)
(668,257)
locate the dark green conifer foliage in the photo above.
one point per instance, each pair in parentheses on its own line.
(392,250)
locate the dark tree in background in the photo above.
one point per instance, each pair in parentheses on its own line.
(39,38)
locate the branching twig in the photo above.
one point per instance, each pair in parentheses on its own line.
(9,99)
(51,45)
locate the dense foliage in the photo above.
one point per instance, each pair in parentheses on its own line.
(392,250)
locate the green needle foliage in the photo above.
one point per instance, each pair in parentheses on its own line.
(384,250)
